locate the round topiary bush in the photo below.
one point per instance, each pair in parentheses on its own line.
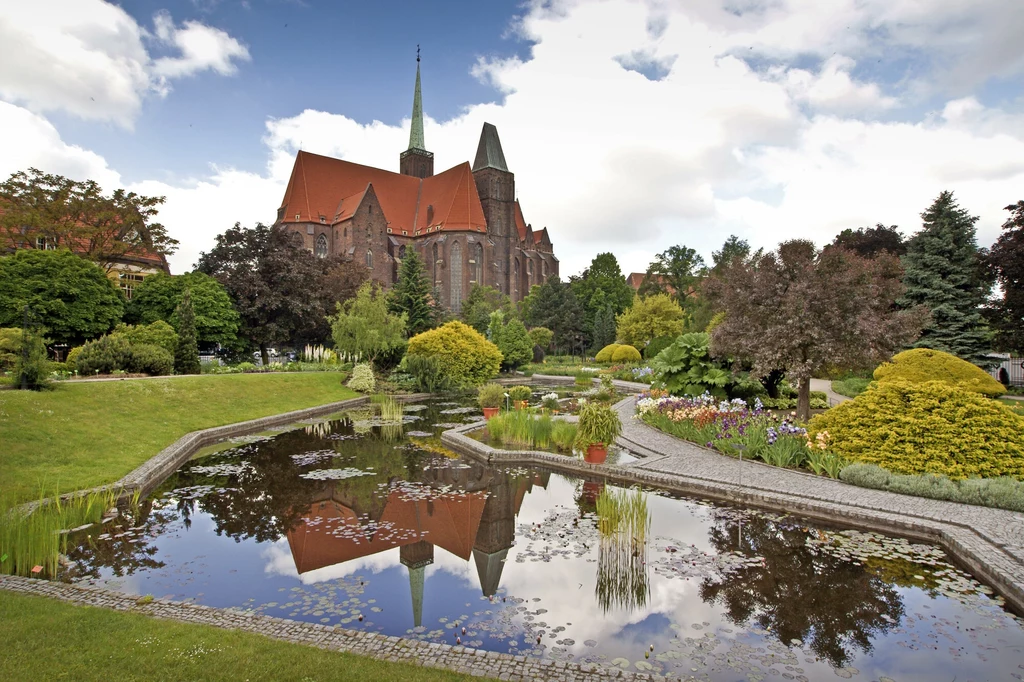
(929,427)
(626,354)
(605,354)
(924,364)
(147,358)
(465,357)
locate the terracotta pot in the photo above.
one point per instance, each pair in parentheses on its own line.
(596,453)
(491,412)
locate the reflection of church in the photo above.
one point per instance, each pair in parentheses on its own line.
(476,517)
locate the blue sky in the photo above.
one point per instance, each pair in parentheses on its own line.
(631,125)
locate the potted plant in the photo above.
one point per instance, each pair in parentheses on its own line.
(520,396)
(549,401)
(598,427)
(490,397)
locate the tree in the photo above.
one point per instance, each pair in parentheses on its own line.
(699,308)
(158,333)
(275,284)
(70,297)
(604,328)
(648,318)
(870,241)
(601,285)
(554,305)
(944,274)
(799,310)
(411,295)
(541,336)
(365,326)
(1006,264)
(186,355)
(512,340)
(676,271)
(60,212)
(159,295)
(480,303)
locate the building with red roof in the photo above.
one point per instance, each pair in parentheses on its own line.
(465,223)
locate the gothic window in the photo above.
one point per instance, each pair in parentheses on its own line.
(515,279)
(544,270)
(529,272)
(369,259)
(401,252)
(478,267)
(321,246)
(434,261)
(455,290)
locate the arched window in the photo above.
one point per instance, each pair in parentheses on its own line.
(478,268)
(529,272)
(401,252)
(321,246)
(369,259)
(455,290)
(544,270)
(515,279)
(433,260)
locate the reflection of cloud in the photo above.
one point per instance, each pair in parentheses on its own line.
(280,562)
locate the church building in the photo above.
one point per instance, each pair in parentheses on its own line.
(465,223)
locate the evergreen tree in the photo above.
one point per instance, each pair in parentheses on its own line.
(512,340)
(480,303)
(600,285)
(943,273)
(411,295)
(186,355)
(604,328)
(554,305)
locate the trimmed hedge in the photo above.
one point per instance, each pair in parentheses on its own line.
(466,357)
(626,353)
(146,358)
(605,354)
(924,364)
(930,427)
(1001,493)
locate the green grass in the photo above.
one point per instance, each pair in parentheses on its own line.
(44,639)
(851,387)
(88,434)
(1015,405)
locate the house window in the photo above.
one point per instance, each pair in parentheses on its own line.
(45,244)
(128,281)
(323,219)
(401,252)
(321,246)
(309,229)
(455,290)
(369,259)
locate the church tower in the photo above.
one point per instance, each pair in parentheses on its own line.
(416,160)
(496,187)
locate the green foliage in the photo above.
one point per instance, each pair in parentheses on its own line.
(625,354)
(511,339)
(520,392)
(870,241)
(491,395)
(72,358)
(148,359)
(676,272)
(930,427)
(158,333)
(186,353)
(159,295)
(365,326)
(105,355)
(819,401)
(657,345)
(686,368)
(599,423)
(563,435)
(554,305)
(924,364)
(32,368)
(10,347)
(943,274)
(1002,493)
(541,336)
(599,289)
(604,327)
(851,387)
(1005,262)
(649,318)
(428,372)
(466,358)
(70,297)
(521,428)
(480,303)
(362,378)
(605,354)
(411,295)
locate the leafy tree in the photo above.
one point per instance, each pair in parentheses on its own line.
(733,248)
(276,285)
(800,310)
(78,216)
(411,295)
(553,305)
(158,333)
(601,285)
(869,241)
(541,336)
(186,355)
(365,326)
(512,340)
(1006,264)
(157,297)
(699,308)
(944,274)
(648,318)
(70,297)
(676,271)
(480,303)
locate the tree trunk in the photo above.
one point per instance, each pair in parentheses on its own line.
(264,354)
(803,400)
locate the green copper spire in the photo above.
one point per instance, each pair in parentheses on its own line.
(416,132)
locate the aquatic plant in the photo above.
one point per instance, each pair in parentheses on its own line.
(623,511)
(523,429)
(390,409)
(623,521)
(563,433)
(599,423)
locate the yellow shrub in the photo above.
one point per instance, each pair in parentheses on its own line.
(466,357)
(924,364)
(626,354)
(605,354)
(929,427)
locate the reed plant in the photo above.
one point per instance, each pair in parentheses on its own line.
(623,512)
(563,434)
(521,428)
(624,522)
(390,409)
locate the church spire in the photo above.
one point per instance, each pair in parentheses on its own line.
(416,132)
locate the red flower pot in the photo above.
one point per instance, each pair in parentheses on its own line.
(491,412)
(596,453)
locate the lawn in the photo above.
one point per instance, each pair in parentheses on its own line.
(1015,405)
(101,644)
(86,434)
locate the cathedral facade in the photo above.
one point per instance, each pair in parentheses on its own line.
(465,223)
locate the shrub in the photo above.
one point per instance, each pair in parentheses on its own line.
(511,339)
(105,355)
(605,354)
(362,378)
(146,358)
(649,318)
(1002,493)
(10,347)
(519,392)
(158,333)
(930,427)
(427,372)
(598,424)
(32,368)
(538,354)
(657,345)
(541,336)
(686,368)
(924,364)
(465,357)
(72,359)
(491,395)
(626,353)
(851,387)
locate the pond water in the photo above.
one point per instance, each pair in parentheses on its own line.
(345,521)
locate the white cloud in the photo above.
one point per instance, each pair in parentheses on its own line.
(833,89)
(89,57)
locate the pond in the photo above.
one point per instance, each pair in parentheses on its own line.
(348,522)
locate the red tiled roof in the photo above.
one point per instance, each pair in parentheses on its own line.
(333,188)
(521,222)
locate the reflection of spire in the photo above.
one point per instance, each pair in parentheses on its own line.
(416,557)
(416,576)
(488,569)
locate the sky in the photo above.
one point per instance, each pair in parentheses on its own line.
(631,125)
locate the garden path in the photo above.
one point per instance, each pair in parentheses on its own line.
(825,386)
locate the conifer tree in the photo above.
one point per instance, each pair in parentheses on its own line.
(411,295)
(943,273)
(186,355)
